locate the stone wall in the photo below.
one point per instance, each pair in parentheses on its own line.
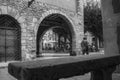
(31,17)
(111,27)
(110,22)
(79,23)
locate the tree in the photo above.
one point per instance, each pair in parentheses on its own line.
(93,20)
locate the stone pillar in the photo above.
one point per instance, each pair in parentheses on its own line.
(111,26)
(104,74)
(23,41)
(110,22)
(79,24)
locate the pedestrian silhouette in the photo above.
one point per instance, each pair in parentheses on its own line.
(84,46)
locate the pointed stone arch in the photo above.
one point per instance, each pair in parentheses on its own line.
(66,18)
(10,38)
(7,9)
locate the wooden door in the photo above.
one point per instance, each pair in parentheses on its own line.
(9,44)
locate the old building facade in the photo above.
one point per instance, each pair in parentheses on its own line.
(23,22)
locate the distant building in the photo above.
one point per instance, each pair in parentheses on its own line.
(89,37)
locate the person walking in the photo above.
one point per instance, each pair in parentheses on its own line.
(84,46)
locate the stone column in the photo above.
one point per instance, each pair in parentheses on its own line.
(111,26)
(79,24)
(110,22)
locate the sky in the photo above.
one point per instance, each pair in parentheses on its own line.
(94,1)
(91,0)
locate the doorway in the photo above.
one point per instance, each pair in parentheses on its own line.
(63,31)
(9,39)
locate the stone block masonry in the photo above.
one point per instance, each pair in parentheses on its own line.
(30,18)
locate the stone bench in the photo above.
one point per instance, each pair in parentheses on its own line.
(101,67)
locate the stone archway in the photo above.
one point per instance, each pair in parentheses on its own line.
(51,20)
(56,39)
(13,15)
(10,40)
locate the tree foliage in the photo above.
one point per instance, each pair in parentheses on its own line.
(93,20)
